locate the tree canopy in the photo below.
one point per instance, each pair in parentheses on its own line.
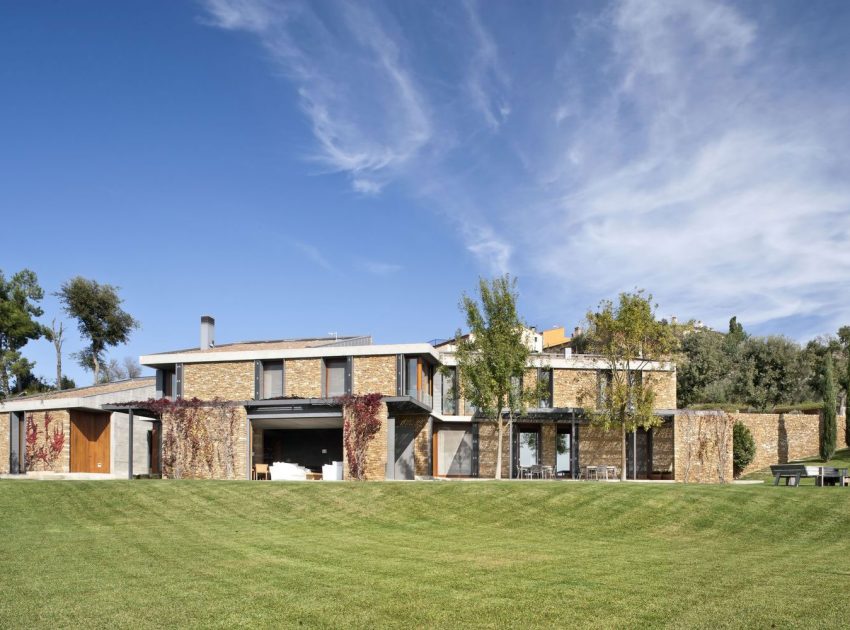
(19,298)
(100,319)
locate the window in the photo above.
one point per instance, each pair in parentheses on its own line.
(418,379)
(605,381)
(411,376)
(563,452)
(169,384)
(544,377)
(516,392)
(529,447)
(272,379)
(449,393)
(454,452)
(335,377)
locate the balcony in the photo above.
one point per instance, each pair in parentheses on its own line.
(422,396)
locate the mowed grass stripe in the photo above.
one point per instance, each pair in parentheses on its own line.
(484,554)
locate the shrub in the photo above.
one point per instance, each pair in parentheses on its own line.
(743,447)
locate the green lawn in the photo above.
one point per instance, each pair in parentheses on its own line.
(488,554)
(840,460)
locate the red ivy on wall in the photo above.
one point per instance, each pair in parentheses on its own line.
(360,427)
(49,450)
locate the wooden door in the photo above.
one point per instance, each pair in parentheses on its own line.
(90,450)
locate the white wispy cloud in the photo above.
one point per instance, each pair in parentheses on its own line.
(679,147)
(314,255)
(365,128)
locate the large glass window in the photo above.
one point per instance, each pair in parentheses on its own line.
(545,379)
(449,402)
(411,377)
(272,379)
(529,448)
(562,455)
(334,377)
(454,452)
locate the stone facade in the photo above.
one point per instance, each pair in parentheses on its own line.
(303,378)
(232,380)
(702,447)
(664,386)
(599,447)
(375,468)
(222,444)
(60,418)
(5,435)
(780,438)
(374,375)
(488,444)
(662,447)
(574,388)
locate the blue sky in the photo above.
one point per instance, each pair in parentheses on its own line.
(300,168)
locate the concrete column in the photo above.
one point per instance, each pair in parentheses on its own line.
(390,472)
(130,443)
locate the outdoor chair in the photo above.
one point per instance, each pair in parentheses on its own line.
(590,472)
(261,469)
(535,469)
(602,472)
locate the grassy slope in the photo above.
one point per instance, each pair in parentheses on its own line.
(841,459)
(153,553)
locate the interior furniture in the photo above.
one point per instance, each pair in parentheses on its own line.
(261,471)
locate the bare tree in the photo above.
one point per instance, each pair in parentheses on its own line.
(132,369)
(55,334)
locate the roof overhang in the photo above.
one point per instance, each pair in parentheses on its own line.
(170,358)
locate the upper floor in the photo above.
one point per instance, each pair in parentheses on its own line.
(331,367)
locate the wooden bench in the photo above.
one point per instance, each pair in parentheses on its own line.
(823,475)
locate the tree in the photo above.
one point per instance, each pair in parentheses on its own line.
(19,297)
(703,368)
(627,335)
(743,447)
(491,359)
(56,334)
(844,337)
(119,371)
(828,428)
(100,319)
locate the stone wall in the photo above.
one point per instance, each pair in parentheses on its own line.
(5,435)
(303,378)
(781,438)
(662,447)
(374,375)
(548,444)
(664,386)
(231,380)
(703,447)
(60,418)
(375,468)
(574,388)
(599,447)
(222,449)
(488,443)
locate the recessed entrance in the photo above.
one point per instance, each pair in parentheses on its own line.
(308,442)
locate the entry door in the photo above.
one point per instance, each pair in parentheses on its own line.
(90,442)
(404,463)
(642,454)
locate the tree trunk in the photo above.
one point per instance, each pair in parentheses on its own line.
(499,449)
(623,453)
(59,366)
(96,367)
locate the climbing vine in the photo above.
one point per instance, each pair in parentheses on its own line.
(44,450)
(360,426)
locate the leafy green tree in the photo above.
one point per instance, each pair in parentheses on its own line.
(828,429)
(743,447)
(100,319)
(767,372)
(627,335)
(19,298)
(844,338)
(703,368)
(491,359)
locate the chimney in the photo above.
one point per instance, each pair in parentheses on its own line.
(207,332)
(577,331)
(674,319)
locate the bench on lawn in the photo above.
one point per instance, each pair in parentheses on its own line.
(823,475)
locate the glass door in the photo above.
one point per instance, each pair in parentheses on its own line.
(563,454)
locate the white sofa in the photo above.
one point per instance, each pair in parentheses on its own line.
(332,472)
(284,471)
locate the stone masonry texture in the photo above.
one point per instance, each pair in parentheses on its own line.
(4,442)
(58,417)
(232,380)
(303,378)
(374,375)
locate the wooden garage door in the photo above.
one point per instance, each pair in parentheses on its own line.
(89,442)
